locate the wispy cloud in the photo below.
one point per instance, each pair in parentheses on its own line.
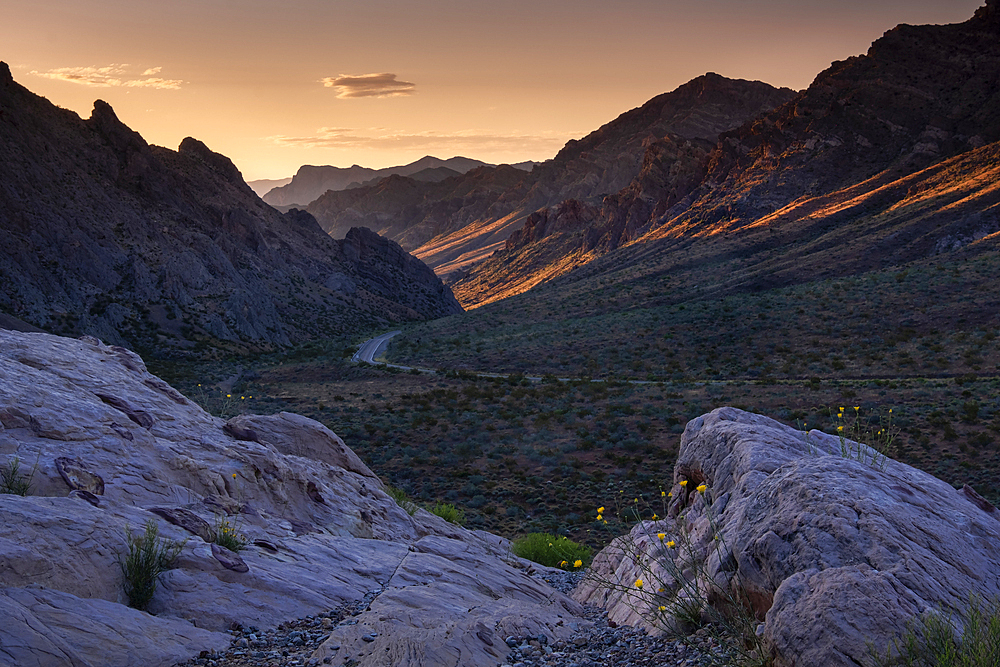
(112,76)
(369,85)
(382,139)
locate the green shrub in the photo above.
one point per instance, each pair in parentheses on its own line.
(448,512)
(401,499)
(228,535)
(552,551)
(13,481)
(933,641)
(148,557)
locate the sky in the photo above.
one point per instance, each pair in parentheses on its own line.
(276,85)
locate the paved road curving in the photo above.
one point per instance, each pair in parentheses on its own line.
(371,347)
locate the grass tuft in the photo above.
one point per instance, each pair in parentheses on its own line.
(552,551)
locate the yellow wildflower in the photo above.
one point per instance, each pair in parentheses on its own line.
(840,428)
(578,563)
(671,544)
(655,516)
(662,608)
(600,517)
(857,407)
(684,482)
(562,563)
(663,493)
(600,510)
(702,488)
(662,536)
(638,584)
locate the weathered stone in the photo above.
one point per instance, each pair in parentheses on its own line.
(307,557)
(78,478)
(187,520)
(834,553)
(229,559)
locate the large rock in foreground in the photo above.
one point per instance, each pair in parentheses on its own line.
(114,447)
(833,553)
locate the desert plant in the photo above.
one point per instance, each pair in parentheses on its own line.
(675,589)
(13,481)
(402,499)
(147,557)
(879,439)
(552,551)
(932,640)
(448,512)
(228,535)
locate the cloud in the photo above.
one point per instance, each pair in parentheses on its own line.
(382,139)
(369,85)
(111,76)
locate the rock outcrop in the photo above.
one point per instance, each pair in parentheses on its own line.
(106,235)
(831,552)
(320,529)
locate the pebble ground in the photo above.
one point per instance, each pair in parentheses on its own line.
(291,644)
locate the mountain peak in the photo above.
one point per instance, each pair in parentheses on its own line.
(990,12)
(5,75)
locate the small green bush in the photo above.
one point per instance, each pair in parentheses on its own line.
(401,499)
(13,481)
(228,535)
(448,512)
(552,551)
(148,557)
(932,641)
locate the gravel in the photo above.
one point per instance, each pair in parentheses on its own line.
(291,644)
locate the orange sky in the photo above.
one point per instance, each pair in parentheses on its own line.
(275,85)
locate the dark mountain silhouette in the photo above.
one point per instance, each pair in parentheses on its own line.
(103,234)
(310,182)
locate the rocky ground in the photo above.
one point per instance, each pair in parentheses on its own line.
(293,643)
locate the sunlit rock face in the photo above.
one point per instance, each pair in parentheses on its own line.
(112,447)
(832,553)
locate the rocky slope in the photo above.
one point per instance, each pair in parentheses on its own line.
(460,221)
(310,182)
(104,234)
(112,447)
(829,552)
(855,147)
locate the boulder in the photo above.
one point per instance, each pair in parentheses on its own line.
(832,554)
(319,528)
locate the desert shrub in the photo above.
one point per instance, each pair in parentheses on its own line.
(13,481)
(401,499)
(228,535)
(448,512)
(934,641)
(552,551)
(147,557)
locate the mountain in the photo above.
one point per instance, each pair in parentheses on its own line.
(310,182)
(463,220)
(104,234)
(265,185)
(871,144)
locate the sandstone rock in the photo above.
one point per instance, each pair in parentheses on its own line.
(832,552)
(442,607)
(303,556)
(78,477)
(187,520)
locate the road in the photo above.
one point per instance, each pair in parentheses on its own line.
(371,347)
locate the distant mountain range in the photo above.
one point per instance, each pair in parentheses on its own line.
(459,221)
(311,182)
(103,234)
(886,158)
